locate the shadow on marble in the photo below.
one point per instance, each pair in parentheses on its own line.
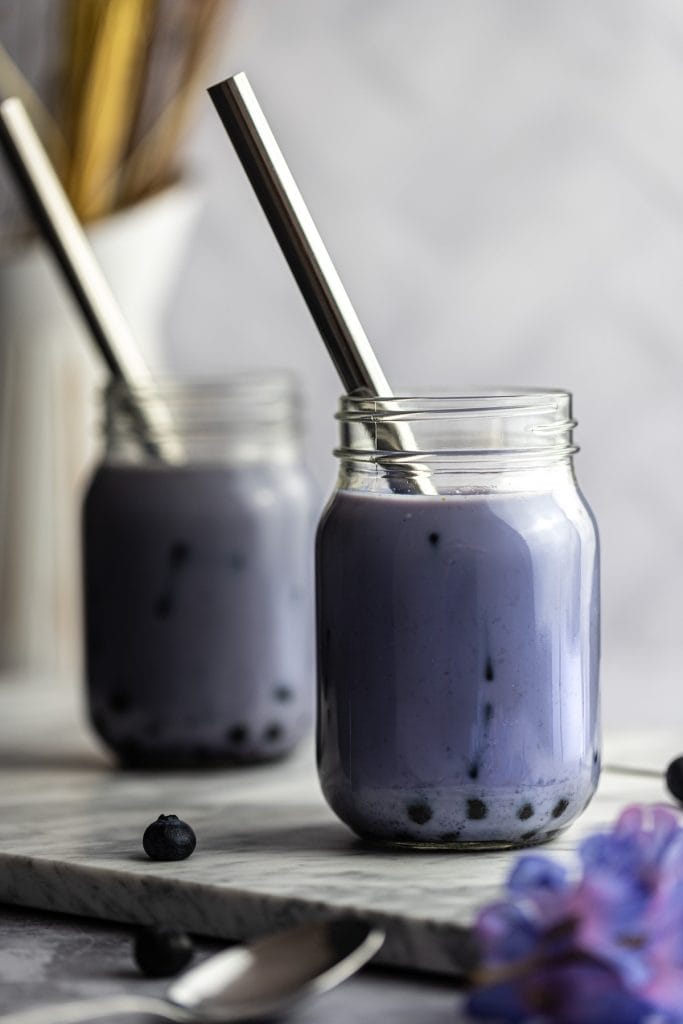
(322,837)
(30,759)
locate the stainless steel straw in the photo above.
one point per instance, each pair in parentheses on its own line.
(308,259)
(64,235)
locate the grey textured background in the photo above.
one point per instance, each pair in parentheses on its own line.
(500,184)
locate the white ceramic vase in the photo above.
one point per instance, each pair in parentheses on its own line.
(50,376)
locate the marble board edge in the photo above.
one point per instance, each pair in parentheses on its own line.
(417,944)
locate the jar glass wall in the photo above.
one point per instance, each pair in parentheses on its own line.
(458,623)
(198,577)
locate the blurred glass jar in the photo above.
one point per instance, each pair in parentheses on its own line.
(198,578)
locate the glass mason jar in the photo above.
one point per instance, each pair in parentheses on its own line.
(199,577)
(458,623)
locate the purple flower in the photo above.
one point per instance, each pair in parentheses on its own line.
(606,948)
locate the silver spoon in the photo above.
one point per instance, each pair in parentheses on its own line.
(242,983)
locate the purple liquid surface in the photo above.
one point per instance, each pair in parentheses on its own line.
(458,665)
(198,607)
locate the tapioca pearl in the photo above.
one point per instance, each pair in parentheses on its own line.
(560,807)
(420,812)
(238,735)
(449,837)
(434,539)
(473,770)
(163,607)
(283,693)
(178,553)
(525,812)
(273,732)
(488,670)
(476,810)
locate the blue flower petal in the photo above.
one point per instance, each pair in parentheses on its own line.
(533,872)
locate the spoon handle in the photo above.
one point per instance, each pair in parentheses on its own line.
(92,1009)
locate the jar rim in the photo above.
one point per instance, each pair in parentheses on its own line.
(241,384)
(433,402)
(507,425)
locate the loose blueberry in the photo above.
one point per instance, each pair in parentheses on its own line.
(169,838)
(120,702)
(161,952)
(674,778)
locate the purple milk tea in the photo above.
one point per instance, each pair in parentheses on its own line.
(458,657)
(198,606)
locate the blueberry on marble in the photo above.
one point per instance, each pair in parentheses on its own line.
(419,812)
(161,952)
(476,810)
(169,838)
(560,807)
(674,778)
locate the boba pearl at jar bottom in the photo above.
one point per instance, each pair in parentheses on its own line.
(458,632)
(198,589)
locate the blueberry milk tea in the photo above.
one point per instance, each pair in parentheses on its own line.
(199,578)
(458,623)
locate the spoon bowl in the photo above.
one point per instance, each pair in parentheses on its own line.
(243,983)
(274,973)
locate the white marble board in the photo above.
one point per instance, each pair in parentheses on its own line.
(269,851)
